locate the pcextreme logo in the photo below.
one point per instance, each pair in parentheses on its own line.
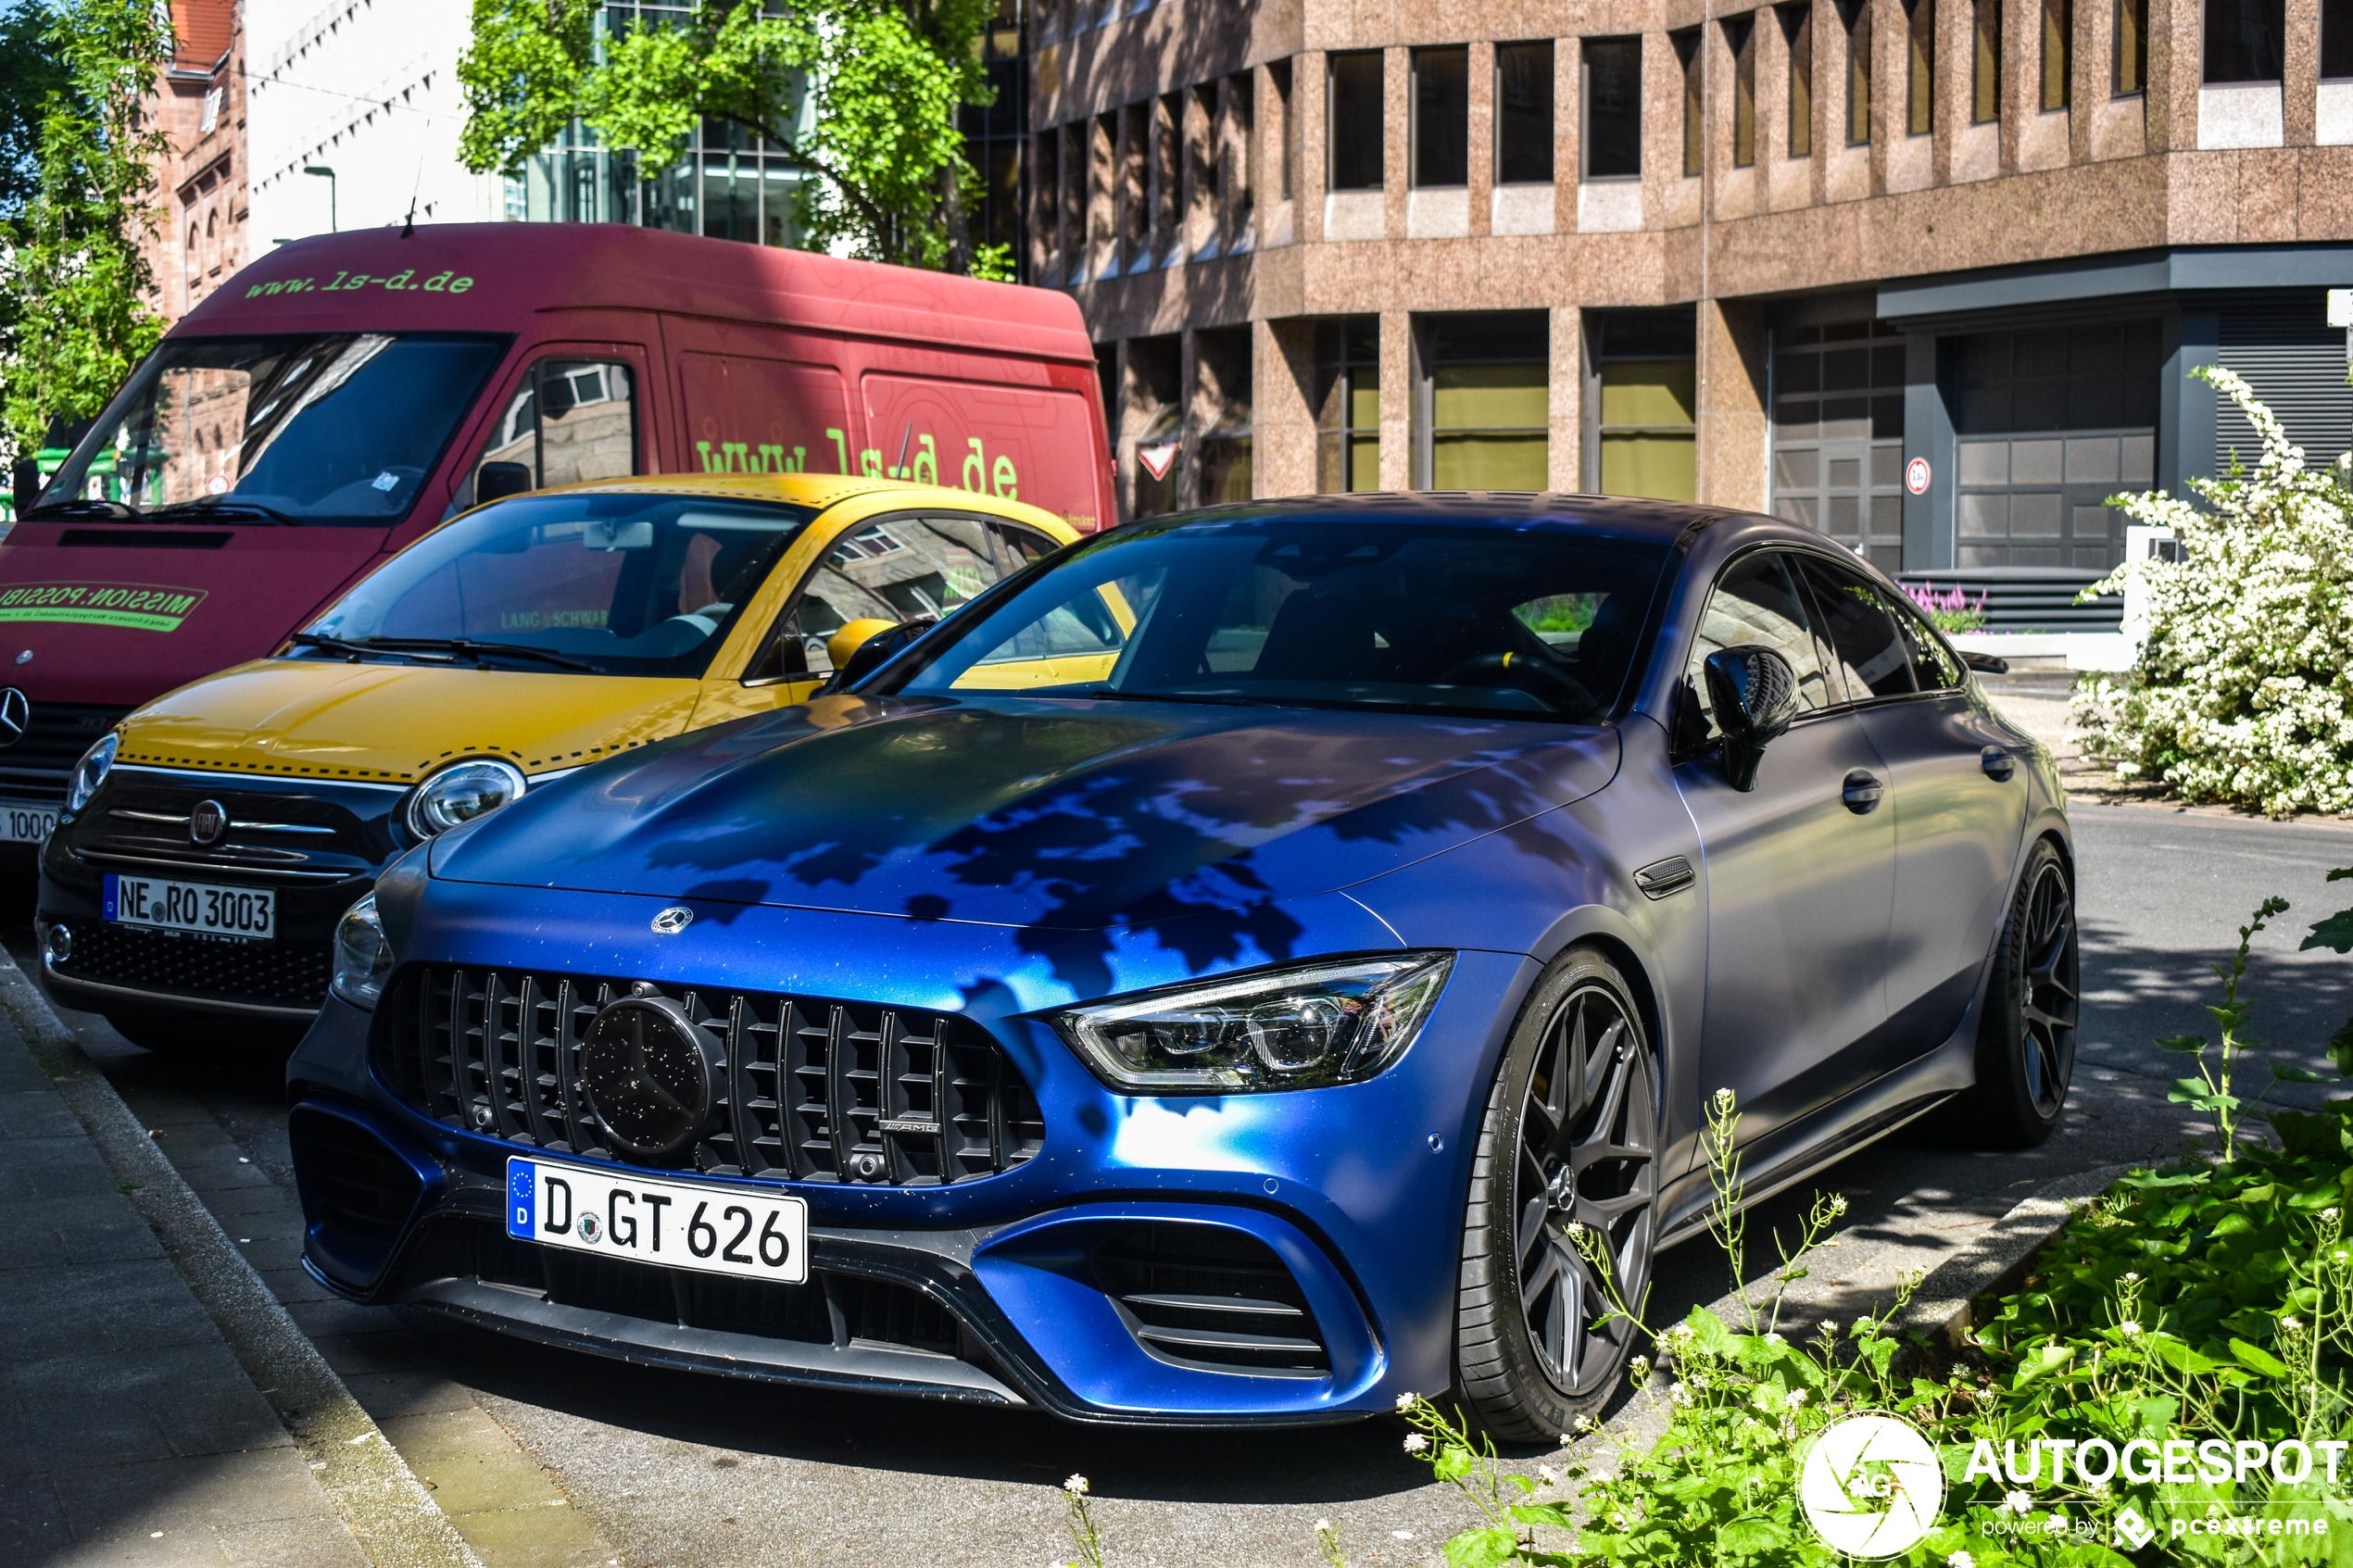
(142,606)
(1872,1485)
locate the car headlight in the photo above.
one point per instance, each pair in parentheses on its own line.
(461,793)
(1304,1028)
(91,771)
(363,956)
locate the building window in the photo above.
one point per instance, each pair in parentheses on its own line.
(2336,39)
(1857,19)
(1238,149)
(1612,69)
(1838,435)
(1348,404)
(1221,374)
(1740,41)
(1523,114)
(1356,120)
(1279,77)
(1486,412)
(2132,47)
(1647,428)
(1986,61)
(1687,58)
(2059,34)
(1156,413)
(1919,67)
(2243,40)
(1441,116)
(1797,23)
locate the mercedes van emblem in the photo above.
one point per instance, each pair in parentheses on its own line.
(206,822)
(14,714)
(672,921)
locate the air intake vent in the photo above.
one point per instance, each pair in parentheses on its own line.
(289,974)
(354,1184)
(1212,1298)
(811,1089)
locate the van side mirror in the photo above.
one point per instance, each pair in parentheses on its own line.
(862,647)
(1753,692)
(496,481)
(24,487)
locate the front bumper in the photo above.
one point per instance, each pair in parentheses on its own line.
(1015,1288)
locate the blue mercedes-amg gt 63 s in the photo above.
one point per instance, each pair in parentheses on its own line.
(1210,977)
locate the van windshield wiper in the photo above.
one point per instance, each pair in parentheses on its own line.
(467,647)
(118,511)
(225,507)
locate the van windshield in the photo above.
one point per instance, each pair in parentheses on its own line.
(317,427)
(609,584)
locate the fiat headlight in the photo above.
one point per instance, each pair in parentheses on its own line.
(1304,1028)
(363,959)
(462,793)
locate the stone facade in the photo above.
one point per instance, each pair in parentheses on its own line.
(201,187)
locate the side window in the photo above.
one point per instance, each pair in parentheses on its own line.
(894,569)
(1873,657)
(1933,666)
(569,421)
(1756,601)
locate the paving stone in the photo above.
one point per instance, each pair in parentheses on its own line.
(336,1316)
(544,1536)
(36,1113)
(393,1398)
(32,1522)
(206,1492)
(364,1354)
(287,1543)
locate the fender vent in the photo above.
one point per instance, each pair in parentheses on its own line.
(1212,1298)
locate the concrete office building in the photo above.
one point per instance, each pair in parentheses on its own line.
(1787,257)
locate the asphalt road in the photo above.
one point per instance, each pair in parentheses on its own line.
(680,1469)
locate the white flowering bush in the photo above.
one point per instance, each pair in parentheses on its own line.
(2243,692)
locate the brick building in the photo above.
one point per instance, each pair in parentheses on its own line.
(201,186)
(1925,274)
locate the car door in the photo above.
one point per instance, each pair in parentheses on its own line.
(1799,869)
(1956,794)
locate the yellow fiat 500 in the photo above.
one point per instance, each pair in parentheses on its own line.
(209,845)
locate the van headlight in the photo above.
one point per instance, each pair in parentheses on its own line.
(91,771)
(1301,1028)
(363,959)
(461,793)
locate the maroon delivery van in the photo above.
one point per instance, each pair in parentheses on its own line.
(343,394)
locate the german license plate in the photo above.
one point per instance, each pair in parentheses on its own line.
(20,823)
(678,1224)
(248,914)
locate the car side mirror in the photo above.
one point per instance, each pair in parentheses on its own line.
(1985,663)
(862,647)
(24,487)
(1753,692)
(496,481)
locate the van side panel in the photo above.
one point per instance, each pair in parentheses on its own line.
(750,415)
(1027,444)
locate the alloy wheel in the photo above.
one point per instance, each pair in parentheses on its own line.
(1588,1135)
(2048,999)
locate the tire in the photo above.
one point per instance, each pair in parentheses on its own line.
(1528,1360)
(2026,1041)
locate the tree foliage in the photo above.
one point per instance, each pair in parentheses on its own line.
(862,93)
(30,71)
(74,284)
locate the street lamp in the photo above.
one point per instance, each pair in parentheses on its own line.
(329,174)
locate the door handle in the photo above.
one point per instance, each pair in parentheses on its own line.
(1998,764)
(1862,793)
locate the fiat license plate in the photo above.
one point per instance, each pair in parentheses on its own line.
(24,823)
(720,1230)
(247,915)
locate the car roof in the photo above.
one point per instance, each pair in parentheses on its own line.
(1625,516)
(820,492)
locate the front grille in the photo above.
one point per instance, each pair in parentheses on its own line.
(353,1182)
(1213,1298)
(54,739)
(273,974)
(842,1309)
(809,1089)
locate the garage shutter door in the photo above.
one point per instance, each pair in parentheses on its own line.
(2295,362)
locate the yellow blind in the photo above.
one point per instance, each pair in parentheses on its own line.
(1488,398)
(1650,391)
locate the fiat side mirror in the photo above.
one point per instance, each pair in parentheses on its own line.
(862,646)
(496,481)
(1753,692)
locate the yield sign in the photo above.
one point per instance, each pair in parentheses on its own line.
(1157,458)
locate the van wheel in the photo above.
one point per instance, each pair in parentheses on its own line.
(1571,1139)
(2026,1042)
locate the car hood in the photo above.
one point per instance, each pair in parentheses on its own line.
(397,721)
(1048,813)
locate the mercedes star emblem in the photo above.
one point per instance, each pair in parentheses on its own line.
(14,714)
(206,822)
(672,921)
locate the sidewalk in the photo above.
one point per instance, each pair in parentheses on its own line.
(130,1433)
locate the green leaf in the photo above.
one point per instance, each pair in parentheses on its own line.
(1543,1513)
(2178,1356)
(2340,1047)
(1709,1333)
(2183,1045)
(2041,1363)
(2288,1072)
(1482,1549)
(2335,933)
(2262,1361)
(1751,1536)
(1452,1462)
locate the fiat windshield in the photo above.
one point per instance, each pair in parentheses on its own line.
(308,428)
(614,583)
(1498,617)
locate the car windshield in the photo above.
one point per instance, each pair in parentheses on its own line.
(316,428)
(1424,615)
(617,584)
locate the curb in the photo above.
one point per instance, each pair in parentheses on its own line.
(387,1510)
(1996,1262)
